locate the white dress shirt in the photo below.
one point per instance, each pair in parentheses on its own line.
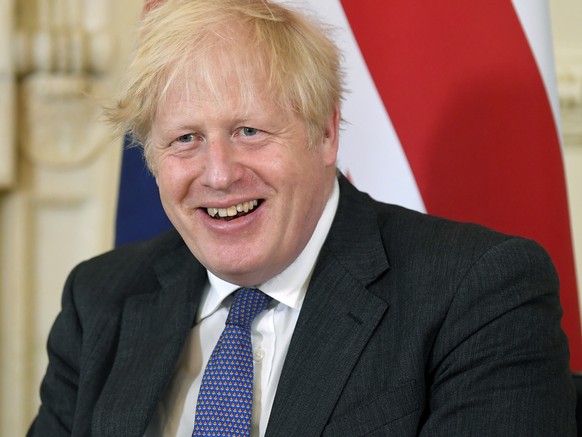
(271,333)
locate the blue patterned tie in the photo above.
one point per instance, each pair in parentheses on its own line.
(225,401)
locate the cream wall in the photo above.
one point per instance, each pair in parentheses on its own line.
(567,34)
(57,208)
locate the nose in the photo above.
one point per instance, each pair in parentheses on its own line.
(221,168)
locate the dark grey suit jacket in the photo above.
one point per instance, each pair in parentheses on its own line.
(412,325)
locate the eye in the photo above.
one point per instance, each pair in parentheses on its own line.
(185,138)
(249,131)
(187,141)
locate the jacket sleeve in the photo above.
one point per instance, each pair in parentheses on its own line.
(59,387)
(499,366)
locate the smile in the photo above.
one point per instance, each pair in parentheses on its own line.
(233,211)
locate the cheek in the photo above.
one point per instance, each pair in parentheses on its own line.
(173,183)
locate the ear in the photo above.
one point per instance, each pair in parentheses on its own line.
(150,5)
(330,140)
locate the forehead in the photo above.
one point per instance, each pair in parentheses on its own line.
(220,92)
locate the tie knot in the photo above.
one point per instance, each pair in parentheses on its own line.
(247,304)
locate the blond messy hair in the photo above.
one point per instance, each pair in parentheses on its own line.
(300,62)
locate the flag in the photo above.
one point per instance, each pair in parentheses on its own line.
(461,118)
(452,110)
(139,210)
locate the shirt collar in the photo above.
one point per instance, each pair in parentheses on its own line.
(289,286)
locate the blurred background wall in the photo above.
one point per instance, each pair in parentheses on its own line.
(59,164)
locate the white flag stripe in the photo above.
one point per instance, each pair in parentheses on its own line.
(369,147)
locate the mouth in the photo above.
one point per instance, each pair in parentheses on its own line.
(234,211)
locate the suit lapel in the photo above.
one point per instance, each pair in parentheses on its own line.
(154,327)
(337,319)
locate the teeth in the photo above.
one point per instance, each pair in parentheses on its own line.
(231,211)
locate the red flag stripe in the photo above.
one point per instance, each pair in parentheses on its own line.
(463,91)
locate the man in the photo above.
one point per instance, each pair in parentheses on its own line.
(375,320)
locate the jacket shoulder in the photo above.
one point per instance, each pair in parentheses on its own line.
(414,231)
(111,277)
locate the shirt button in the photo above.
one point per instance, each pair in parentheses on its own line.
(259,354)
